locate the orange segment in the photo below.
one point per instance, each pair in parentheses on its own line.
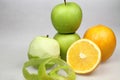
(83,56)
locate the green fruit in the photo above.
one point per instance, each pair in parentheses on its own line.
(48,74)
(66,18)
(43,47)
(65,40)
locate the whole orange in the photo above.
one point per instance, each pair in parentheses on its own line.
(104,37)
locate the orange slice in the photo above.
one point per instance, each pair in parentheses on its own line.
(83,56)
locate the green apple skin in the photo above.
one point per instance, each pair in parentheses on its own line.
(66,18)
(65,40)
(43,47)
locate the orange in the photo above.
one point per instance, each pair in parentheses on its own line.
(104,37)
(83,56)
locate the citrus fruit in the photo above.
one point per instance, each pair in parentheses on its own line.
(83,56)
(104,37)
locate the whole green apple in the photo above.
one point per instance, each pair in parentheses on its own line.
(66,18)
(65,40)
(43,47)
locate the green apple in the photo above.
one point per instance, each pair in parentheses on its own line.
(65,40)
(66,17)
(43,47)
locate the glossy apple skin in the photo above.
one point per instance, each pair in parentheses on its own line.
(65,40)
(66,18)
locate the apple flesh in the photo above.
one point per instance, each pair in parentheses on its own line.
(65,40)
(43,47)
(66,18)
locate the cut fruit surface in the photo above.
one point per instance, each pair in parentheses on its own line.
(83,56)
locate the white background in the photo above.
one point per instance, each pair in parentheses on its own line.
(22,20)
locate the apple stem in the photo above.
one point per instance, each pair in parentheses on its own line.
(47,35)
(65,2)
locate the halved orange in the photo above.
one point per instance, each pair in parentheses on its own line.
(83,56)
